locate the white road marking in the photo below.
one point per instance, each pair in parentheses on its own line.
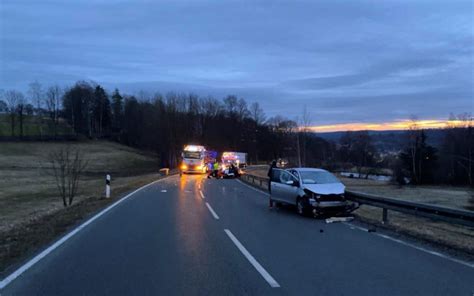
(270,280)
(164,190)
(253,188)
(202,195)
(58,243)
(434,253)
(212,211)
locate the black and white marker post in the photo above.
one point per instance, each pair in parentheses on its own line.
(107,186)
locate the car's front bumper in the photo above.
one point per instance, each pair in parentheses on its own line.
(333,206)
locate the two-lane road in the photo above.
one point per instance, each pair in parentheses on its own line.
(192,235)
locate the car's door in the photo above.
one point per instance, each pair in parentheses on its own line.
(275,184)
(288,187)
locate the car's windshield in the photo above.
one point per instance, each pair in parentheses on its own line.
(318,177)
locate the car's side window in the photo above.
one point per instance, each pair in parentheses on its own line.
(276,175)
(284,177)
(295,173)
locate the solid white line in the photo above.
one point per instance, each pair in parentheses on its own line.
(212,211)
(270,280)
(434,253)
(58,243)
(202,195)
(253,188)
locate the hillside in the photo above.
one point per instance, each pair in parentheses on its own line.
(390,141)
(33,126)
(29,191)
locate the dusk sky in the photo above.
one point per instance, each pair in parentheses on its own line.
(347,61)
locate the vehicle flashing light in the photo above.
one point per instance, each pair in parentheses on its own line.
(193,148)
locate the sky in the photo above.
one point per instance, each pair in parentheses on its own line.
(348,62)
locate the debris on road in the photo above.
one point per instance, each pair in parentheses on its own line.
(339,219)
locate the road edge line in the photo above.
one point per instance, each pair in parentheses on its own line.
(202,195)
(407,244)
(270,280)
(10,278)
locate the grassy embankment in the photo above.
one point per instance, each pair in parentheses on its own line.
(31,211)
(33,126)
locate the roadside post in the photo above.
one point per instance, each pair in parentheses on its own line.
(384,216)
(107,186)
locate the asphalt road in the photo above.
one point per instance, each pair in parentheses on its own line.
(169,239)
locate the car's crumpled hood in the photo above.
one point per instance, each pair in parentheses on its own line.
(332,188)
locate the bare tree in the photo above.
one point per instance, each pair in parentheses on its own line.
(256,113)
(13,97)
(20,109)
(67,165)
(258,116)
(53,101)
(413,144)
(304,129)
(460,142)
(36,95)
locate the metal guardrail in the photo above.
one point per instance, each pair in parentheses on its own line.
(449,215)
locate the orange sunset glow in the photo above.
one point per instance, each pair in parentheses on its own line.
(387,126)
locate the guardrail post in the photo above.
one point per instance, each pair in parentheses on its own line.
(385,216)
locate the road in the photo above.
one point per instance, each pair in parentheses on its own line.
(197,236)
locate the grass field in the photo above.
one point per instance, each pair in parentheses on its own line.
(33,126)
(29,191)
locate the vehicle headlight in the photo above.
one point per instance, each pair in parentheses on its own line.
(184,167)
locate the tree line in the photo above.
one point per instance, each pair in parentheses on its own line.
(165,123)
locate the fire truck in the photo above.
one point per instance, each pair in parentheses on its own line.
(193,159)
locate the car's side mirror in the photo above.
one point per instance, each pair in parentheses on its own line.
(292,183)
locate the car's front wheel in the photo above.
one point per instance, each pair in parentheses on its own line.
(301,207)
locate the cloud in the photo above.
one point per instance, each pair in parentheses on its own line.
(345,60)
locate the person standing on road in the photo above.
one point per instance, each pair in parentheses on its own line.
(270,177)
(210,167)
(215,170)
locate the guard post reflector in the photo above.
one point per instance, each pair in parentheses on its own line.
(107,186)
